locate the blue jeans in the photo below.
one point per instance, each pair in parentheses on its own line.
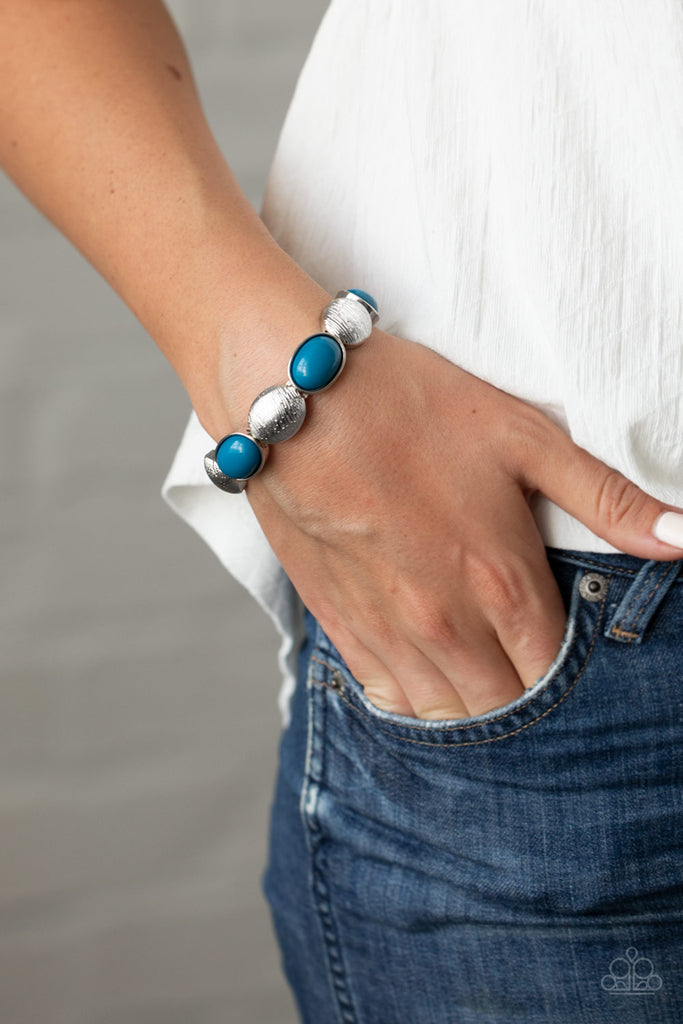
(523,865)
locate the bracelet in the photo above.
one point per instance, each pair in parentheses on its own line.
(279,411)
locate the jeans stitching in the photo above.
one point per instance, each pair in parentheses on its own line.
(636,596)
(622,569)
(320,894)
(474,725)
(618,631)
(616,628)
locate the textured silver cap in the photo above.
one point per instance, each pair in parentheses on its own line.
(374,313)
(277,413)
(347,320)
(219,478)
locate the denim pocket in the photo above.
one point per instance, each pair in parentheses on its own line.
(548,826)
(581,630)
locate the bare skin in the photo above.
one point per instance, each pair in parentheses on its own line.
(401,510)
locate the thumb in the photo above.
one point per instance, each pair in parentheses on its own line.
(608,503)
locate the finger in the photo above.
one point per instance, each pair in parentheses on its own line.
(479,672)
(609,504)
(394,673)
(431,693)
(407,680)
(378,683)
(529,617)
(380,686)
(454,665)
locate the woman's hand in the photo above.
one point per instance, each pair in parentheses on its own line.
(401,510)
(400,513)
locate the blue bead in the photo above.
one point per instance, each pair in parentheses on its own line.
(316,362)
(366,296)
(238,456)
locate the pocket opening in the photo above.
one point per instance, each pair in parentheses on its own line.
(355,695)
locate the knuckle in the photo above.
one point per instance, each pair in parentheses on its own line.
(435,701)
(501,587)
(390,701)
(527,437)
(617,499)
(437,712)
(531,643)
(429,621)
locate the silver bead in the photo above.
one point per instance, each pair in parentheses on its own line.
(276,414)
(219,478)
(347,320)
(356,298)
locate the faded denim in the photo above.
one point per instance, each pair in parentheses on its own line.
(519,866)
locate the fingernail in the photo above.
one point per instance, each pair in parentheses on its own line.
(669,528)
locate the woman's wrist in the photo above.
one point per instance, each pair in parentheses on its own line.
(343,425)
(279,410)
(247,340)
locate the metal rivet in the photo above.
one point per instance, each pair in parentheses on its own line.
(337,681)
(593,586)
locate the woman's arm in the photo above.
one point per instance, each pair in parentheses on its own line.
(101,127)
(400,511)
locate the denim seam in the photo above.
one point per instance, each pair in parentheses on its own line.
(407,725)
(453,728)
(474,725)
(620,569)
(335,962)
(616,628)
(637,595)
(320,893)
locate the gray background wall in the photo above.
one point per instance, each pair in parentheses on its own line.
(136,757)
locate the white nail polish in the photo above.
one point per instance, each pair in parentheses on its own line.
(669,528)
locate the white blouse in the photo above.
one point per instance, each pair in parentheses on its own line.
(506,178)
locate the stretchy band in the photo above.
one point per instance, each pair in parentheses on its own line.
(279,411)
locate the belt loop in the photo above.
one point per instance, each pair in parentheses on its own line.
(641,601)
